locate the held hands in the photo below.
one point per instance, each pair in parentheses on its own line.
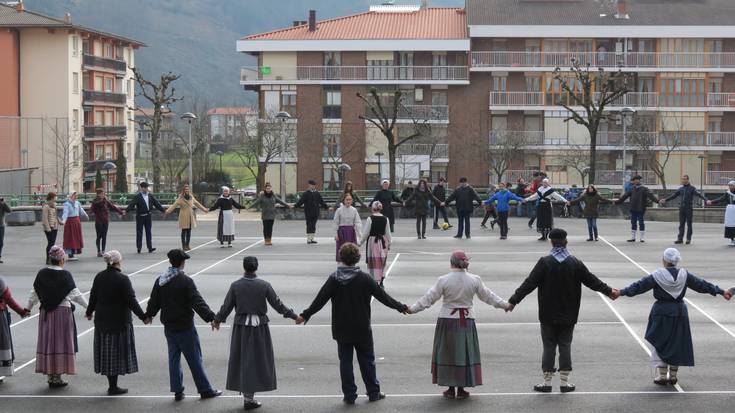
(615,294)
(662,202)
(728,294)
(708,202)
(26,313)
(147,321)
(88,316)
(215,325)
(299,320)
(509,308)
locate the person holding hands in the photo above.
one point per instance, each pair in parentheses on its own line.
(687,192)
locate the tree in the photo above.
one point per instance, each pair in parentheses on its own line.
(384,118)
(160,95)
(594,92)
(121,183)
(201,163)
(577,157)
(62,143)
(656,148)
(334,153)
(505,147)
(98,182)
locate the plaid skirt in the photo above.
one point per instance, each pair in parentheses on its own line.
(455,360)
(56,347)
(114,353)
(376,257)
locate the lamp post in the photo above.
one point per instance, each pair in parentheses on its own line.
(627,113)
(108,166)
(188,116)
(343,169)
(701,174)
(221,172)
(380,165)
(283,116)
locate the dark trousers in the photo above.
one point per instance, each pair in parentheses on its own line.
(556,336)
(420,225)
(440,210)
(637,221)
(685,218)
(185,236)
(490,212)
(463,223)
(592,227)
(2,238)
(143,223)
(391,218)
(366,360)
(101,230)
(185,342)
(311,225)
(50,240)
(268,228)
(532,211)
(503,223)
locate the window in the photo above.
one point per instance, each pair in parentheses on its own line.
(380,69)
(97,48)
(108,118)
(85,47)
(75,119)
(438,97)
(288,102)
(332,60)
(405,63)
(332,102)
(682,92)
(108,84)
(108,51)
(533,84)
(99,117)
(85,81)
(119,117)
(99,152)
(75,83)
(119,52)
(439,63)
(500,83)
(331,135)
(74,46)
(109,149)
(98,81)
(332,181)
(75,155)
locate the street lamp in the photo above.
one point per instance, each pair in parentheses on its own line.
(627,113)
(188,116)
(343,168)
(283,116)
(108,166)
(380,164)
(701,173)
(221,173)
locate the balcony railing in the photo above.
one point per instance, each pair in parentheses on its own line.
(516,99)
(639,60)
(499,137)
(634,99)
(417,112)
(719,177)
(721,100)
(514,175)
(105,97)
(615,138)
(104,131)
(439,150)
(603,177)
(105,63)
(267,74)
(720,138)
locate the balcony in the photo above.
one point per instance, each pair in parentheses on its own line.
(719,177)
(653,140)
(265,75)
(104,132)
(641,61)
(720,138)
(531,138)
(104,63)
(721,100)
(641,100)
(439,150)
(437,113)
(603,177)
(105,98)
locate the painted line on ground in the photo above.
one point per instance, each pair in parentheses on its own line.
(19,322)
(387,272)
(392,325)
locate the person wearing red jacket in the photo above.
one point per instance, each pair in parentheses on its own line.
(7,356)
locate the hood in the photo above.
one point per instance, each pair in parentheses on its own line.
(345,275)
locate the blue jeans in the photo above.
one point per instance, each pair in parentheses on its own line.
(636,217)
(592,227)
(186,342)
(463,223)
(519,209)
(439,210)
(366,360)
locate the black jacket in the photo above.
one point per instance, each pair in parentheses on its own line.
(639,197)
(406,194)
(687,194)
(421,201)
(521,190)
(464,197)
(141,209)
(350,291)
(311,200)
(440,192)
(177,300)
(386,197)
(559,288)
(112,299)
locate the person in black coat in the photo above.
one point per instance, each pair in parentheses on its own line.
(111,301)
(686,207)
(407,210)
(639,196)
(142,203)
(311,200)
(386,197)
(351,292)
(559,277)
(464,198)
(440,193)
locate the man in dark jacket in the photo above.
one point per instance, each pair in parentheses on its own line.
(407,210)
(639,196)
(521,191)
(559,277)
(440,193)
(142,203)
(4,209)
(351,292)
(464,198)
(687,192)
(386,197)
(176,295)
(311,200)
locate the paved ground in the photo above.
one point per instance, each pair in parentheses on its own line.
(611,364)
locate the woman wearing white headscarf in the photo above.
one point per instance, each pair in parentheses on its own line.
(376,233)
(728,198)
(668,324)
(545,213)
(226,220)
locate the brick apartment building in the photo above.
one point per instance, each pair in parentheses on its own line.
(486,70)
(225,124)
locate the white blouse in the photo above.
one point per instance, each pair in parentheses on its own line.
(74,295)
(458,289)
(543,190)
(347,216)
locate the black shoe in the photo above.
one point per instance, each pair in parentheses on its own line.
(661,381)
(596,239)
(631,240)
(423,237)
(179,396)
(673,381)
(436,227)
(492,225)
(348,401)
(458,236)
(678,241)
(138,250)
(467,236)
(590,239)
(1,261)
(150,250)
(643,240)
(116,391)
(57,384)
(314,242)
(462,394)
(542,239)
(568,388)
(688,242)
(542,388)
(99,255)
(418,237)
(211,394)
(483,226)
(251,405)
(375,398)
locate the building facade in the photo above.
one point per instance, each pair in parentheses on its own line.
(226,125)
(479,74)
(70,88)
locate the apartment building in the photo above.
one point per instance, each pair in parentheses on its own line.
(74,86)
(486,71)
(226,123)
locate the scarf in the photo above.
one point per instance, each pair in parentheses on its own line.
(268,194)
(170,273)
(560,253)
(52,285)
(665,280)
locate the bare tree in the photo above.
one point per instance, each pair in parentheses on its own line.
(656,148)
(593,91)
(578,158)
(201,162)
(62,147)
(505,147)
(173,162)
(160,95)
(335,152)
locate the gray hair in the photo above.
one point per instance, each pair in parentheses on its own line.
(457,262)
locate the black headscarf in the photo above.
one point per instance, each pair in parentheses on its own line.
(52,286)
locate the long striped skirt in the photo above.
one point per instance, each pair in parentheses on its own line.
(55,350)
(345,234)
(455,360)
(114,353)
(376,257)
(226,226)
(73,239)
(6,345)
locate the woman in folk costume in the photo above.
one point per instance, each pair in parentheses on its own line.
(187,218)
(226,220)
(668,324)
(251,368)
(728,198)
(71,220)
(456,360)
(267,201)
(346,224)
(7,356)
(55,289)
(545,194)
(376,233)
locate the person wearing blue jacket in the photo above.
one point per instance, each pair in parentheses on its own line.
(503,197)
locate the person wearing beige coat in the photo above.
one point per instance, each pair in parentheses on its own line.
(50,220)
(187,218)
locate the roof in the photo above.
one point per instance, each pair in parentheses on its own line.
(429,23)
(590,12)
(230,111)
(11,17)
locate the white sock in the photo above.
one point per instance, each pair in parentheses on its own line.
(548,375)
(564,377)
(633,232)
(662,372)
(643,235)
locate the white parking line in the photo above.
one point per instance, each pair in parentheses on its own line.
(387,272)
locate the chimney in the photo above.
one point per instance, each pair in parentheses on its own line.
(296,23)
(312,20)
(622,12)
(67,18)
(20,7)
(424,4)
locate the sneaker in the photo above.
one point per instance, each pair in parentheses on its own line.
(251,404)
(542,388)
(462,394)
(179,396)
(116,391)
(211,394)
(449,394)
(568,388)
(375,398)
(99,254)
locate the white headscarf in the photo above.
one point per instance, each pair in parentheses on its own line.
(112,257)
(672,256)
(224,188)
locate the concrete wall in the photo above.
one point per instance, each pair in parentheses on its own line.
(10,98)
(282,64)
